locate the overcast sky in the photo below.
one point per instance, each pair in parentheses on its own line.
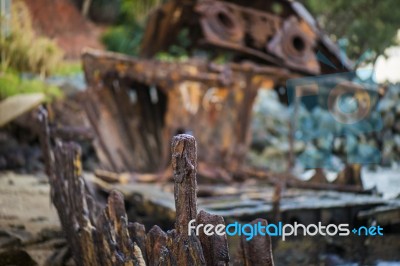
(389,69)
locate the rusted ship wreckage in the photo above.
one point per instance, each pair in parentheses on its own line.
(135,106)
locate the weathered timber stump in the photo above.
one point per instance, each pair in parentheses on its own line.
(103,236)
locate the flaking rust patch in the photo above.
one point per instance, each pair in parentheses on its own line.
(77,165)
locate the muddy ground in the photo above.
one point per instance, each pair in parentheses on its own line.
(29,227)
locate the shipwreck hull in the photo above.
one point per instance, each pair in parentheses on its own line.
(136,106)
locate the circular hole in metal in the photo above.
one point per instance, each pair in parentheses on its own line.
(299,44)
(225,20)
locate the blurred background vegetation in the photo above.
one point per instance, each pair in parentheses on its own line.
(22,51)
(359,26)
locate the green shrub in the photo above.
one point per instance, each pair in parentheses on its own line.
(22,50)
(11,84)
(67,68)
(133,11)
(126,35)
(123,39)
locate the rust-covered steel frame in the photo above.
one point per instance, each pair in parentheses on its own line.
(280,33)
(135,106)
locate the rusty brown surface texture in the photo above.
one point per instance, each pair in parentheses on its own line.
(279,32)
(104,236)
(136,105)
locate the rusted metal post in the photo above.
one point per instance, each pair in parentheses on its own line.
(215,247)
(103,236)
(258,250)
(184,168)
(44,139)
(157,247)
(187,247)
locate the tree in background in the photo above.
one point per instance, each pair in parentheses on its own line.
(360,26)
